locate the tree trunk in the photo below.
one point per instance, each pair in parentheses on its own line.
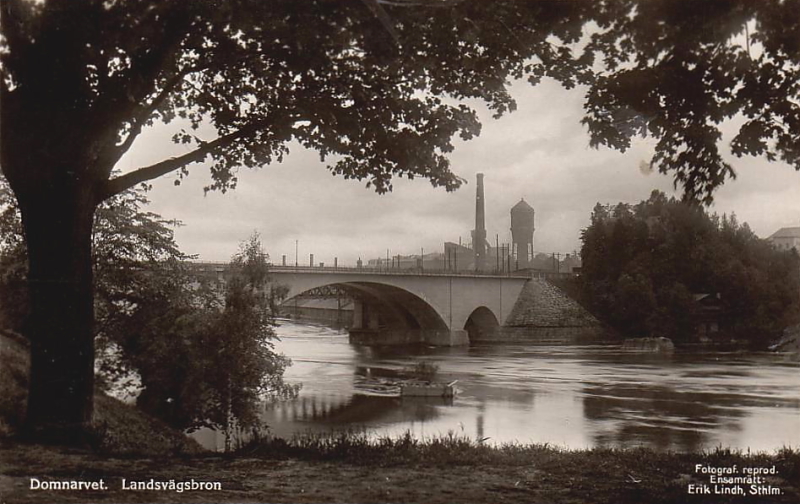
(58,224)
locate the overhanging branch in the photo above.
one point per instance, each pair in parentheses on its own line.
(123,182)
(141,117)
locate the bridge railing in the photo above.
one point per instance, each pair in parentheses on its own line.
(218,266)
(367,270)
(397,271)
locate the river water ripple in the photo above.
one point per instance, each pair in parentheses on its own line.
(567,396)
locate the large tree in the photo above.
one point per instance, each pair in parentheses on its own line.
(377,84)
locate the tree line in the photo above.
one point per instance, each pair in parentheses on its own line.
(658,267)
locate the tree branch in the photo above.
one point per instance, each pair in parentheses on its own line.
(123,182)
(135,85)
(139,120)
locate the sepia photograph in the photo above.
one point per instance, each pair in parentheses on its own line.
(400,251)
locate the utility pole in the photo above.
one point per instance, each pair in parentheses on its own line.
(296,245)
(497,252)
(556,259)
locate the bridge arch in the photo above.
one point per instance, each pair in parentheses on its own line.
(481,321)
(380,305)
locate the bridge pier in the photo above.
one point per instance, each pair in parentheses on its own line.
(381,337)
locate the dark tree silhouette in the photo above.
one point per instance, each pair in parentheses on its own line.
(643,265)
(377,84)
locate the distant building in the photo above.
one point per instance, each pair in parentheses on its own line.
(570,263)
(458,257)
(481,255)
(786,238)
(708,313)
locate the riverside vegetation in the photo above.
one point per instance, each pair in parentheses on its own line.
(646,265)
(156,320)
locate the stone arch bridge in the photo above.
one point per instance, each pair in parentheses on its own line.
(401,307)
(396,307)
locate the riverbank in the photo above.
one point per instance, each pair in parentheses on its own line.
(354,468)
(445,470)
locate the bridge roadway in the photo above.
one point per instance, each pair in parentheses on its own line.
(413,306)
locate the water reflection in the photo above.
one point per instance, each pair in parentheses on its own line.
(563,395)
(358,409)
(657,416)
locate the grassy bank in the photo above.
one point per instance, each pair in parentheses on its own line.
(351,469)
(119,428)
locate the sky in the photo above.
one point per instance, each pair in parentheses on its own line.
(540,153)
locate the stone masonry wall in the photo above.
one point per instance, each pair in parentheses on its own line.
(544,313)
(542,304)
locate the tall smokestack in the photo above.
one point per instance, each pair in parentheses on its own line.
(479,235)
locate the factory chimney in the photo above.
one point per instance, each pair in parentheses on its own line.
(479,235)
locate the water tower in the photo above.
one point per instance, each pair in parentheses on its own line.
(522,233)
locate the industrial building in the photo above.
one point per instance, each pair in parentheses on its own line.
(481,255)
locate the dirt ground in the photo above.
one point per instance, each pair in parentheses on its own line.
(560,478)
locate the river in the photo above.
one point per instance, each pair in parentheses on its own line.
(566,396)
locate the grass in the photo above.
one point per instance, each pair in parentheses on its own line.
(593,475)
(359,448)
(352,467)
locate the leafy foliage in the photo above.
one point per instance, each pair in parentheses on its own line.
(380,95)
(205,353)
(644,264)
(156,324)
(13,263)
(131,248)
